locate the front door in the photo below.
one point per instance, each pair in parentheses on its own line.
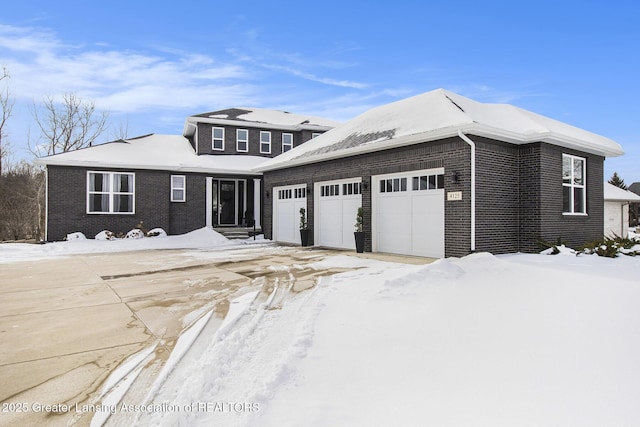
(228,203)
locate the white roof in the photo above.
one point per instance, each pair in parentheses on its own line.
(440,114)
(259,117)
(614,193)
(160,152)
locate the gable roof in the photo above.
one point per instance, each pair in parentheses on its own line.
(157,152)
(259,117)
(635,187)
(435,115)
(614,193)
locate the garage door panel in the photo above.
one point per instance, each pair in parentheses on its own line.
(337,206)
(410,218)
(286,212)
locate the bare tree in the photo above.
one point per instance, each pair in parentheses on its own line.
(21,204)
(67,126)
(122,132)
(6,107)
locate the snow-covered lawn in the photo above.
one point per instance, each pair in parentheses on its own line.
(514,340)
(518,340)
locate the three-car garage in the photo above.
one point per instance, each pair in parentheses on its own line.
(407,212)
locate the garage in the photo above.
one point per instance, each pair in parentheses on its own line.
(337,204)
(408,213)
(287,202)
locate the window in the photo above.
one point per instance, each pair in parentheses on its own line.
(428,182)
(287,142)
(574,192)
(296,193)
(351,188)
(242,140)
(393,185)
(110,192)
(265,142)
(178,188)
(330,190)
(218,139)
(314,134)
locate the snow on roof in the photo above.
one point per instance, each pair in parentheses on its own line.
(162,152)
(260,117)
(435,115)
(614,193)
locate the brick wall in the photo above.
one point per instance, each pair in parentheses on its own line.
(205,139)
(518,192)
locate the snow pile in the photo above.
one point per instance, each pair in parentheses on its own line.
(482,340)
(203,238)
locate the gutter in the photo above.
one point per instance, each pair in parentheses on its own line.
(473,188)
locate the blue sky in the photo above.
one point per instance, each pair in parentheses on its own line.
(153,64)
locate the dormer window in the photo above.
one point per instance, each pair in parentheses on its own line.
(287,142)
(265,142)
(218,139)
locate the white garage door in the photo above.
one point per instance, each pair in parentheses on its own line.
(287,202)
(337,204)
(408,213)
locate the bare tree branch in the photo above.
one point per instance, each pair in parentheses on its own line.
(6,108)
(67,126)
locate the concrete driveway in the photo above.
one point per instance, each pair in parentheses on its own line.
(66,324)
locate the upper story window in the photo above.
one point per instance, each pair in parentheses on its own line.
(110,192)
(287,142)
(574,192)
(265,142)
(242,140)
(218,139)
(178,188)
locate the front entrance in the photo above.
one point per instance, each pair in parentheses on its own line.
(229,201)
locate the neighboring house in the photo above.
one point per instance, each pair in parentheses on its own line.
(634,207)
(179,183)
(438,175)
(616,210)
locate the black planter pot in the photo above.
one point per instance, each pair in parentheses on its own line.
(359,235)
(304,237)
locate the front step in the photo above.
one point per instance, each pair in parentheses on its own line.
(237,233)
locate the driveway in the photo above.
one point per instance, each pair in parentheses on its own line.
(66,324)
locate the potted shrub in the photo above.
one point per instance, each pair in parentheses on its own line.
(304,228)
(359,233)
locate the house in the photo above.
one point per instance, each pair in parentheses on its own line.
(180,183)
(616,210)
(440,174)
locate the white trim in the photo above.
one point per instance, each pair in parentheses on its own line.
(245,141)
(573,186)
(257,206)
(214,139)
(183,188)
(209,201)
(111,193)
(266,132)
(291,147)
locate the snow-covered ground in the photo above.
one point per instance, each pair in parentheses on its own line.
(204,238)
(518,340)
(513,340)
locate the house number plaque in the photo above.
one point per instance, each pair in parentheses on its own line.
(454,195)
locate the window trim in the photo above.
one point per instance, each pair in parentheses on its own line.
(183,188)
(573,186)
(290,144)
(238,140)
(111,193)
(265,132)
(214,139)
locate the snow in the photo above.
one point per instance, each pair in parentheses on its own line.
(435,115)
(282,118)
(477,341)
(204,238)
(157,152)
(612,192)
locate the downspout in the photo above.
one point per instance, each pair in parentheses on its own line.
(473,188)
